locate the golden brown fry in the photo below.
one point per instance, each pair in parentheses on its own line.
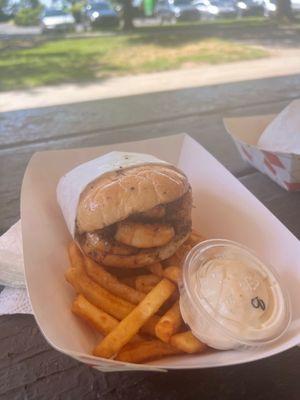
(146,351)
(169,323)
(173,273)
(97,318)
(106,301)
(111,283)
(187,342)
(76,257)
(149,326)
(156,269)
(168,304)
(111,345)
(145,283)
(98,296)
(129,281)
(100,320)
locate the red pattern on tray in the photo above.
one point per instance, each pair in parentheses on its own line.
(270,167)
(292,185)
(273,159)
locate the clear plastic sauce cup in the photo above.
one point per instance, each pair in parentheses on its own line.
(229,298)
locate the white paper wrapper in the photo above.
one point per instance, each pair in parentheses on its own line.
(72,184)
(283,133)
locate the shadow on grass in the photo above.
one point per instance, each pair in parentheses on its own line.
(52,68)
(257,30)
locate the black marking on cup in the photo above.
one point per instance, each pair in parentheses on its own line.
(258,303)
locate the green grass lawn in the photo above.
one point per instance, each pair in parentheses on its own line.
(27,64)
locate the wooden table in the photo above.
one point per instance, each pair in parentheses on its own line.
(29,368)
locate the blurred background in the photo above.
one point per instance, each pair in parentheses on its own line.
(56,42)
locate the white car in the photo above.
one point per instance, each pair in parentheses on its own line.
(57,20)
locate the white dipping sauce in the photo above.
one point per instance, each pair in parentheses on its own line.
(230,298)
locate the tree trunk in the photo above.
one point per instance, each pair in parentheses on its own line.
(127,15)
(284,10)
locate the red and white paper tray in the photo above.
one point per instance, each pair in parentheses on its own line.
(283,168)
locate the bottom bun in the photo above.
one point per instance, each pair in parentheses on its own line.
(140,259)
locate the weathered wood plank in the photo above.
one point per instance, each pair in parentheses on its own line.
(38,125)
(51,375)
(284,205)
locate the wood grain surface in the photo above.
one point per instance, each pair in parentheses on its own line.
(29,368)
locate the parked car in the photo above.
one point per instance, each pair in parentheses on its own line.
(210,9)
(100,14)
(173,10)
(53,20)
(226,8)
(250,7)
(206,9)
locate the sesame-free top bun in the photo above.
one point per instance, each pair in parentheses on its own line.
(116,195)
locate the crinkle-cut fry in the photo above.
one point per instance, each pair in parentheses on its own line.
(97,318)
(76,257)
(173,273)
(169,323)
(111,283)
(145,283)
(156,269)
(146,351)
(97,295)
(187,343)
(110,346)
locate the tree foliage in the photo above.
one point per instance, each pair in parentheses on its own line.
(3,10)
(29,13)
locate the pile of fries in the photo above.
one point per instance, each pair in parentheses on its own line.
(138,316)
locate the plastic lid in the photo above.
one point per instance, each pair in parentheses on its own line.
(227,292)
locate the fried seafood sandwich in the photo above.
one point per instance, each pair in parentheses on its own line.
(132,217)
